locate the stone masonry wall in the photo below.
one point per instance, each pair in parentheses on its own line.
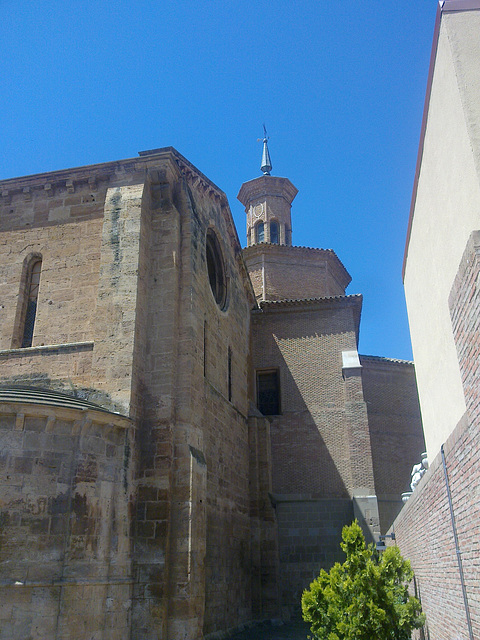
(65,488)
(217,422)
(134,327)
(89,245)
(264,532)
(309,534)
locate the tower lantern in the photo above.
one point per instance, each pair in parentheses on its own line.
(267,201)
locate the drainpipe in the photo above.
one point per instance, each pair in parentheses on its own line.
(457,548)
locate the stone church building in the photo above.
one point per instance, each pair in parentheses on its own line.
(185,426)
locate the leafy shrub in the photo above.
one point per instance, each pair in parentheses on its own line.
(365,598)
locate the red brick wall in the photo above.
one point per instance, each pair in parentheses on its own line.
(318,272)
(464,302)
(425,537)
(310,445)
(395,426)
(320,442)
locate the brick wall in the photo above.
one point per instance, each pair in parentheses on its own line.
(395,427)
(424,527)
(311,449)
(318,272)
(425,536)
(320,443)
(464,303)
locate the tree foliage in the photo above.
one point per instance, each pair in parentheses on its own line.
(365,598)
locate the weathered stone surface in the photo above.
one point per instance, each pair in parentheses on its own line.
(148,498)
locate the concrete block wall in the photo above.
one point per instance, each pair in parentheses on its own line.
(309,535)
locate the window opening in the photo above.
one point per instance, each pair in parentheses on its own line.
(205,348)
(260,232)
(274,232)
(230,374)
(33,283)
(268,392)
(216,269)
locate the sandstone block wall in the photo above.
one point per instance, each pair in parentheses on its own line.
(65,489)
(89,245)
(217,416)
(134,327)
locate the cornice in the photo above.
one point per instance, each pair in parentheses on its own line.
(385,361)
(264,186)
(458,5)
(354,300)
(93,174)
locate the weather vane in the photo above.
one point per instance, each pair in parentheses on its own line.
(266,165)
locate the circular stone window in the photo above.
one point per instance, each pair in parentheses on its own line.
(216,269)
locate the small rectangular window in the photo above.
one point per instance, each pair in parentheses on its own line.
(268,392)
(32,285)
(205,348)
(230,374)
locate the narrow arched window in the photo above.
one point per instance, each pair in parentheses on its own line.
(274,232)
(260,232)
(31,293)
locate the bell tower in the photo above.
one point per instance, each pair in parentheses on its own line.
(268,201)
(279,270)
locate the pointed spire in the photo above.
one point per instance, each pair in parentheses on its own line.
(266,165)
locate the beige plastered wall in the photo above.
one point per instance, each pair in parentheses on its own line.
(447,209)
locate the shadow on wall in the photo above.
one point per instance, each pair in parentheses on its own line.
(310,459)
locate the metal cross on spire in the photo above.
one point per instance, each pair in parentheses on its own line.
(266,165)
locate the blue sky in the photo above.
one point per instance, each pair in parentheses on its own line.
(340,86)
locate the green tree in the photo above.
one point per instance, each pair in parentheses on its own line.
(365,598)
